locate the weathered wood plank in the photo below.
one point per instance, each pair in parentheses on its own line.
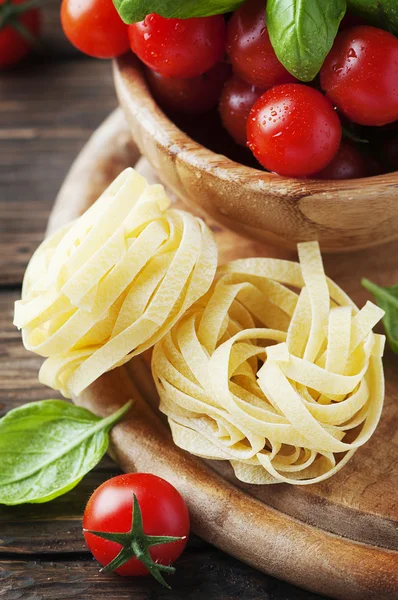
(56,527)
(49,106)
(18,367)
(205,573)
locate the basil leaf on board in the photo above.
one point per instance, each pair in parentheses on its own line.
(132,11)
(302,32)
(383,13)
(387,299)
(47,447)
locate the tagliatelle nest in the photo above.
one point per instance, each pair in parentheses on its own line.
(284,385)
(109,285)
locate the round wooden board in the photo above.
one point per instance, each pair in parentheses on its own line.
(338,538)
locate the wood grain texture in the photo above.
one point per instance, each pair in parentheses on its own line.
(202,572)
(342,215)
(314,549)
(49,105)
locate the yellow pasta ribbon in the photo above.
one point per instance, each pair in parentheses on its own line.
(275,369)
(107,286)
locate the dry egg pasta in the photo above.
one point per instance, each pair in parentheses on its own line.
(275,370)
(110,284)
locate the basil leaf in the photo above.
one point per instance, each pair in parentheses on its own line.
(132,11)
(302,32)
(47,447)
(387,299)
(383,13)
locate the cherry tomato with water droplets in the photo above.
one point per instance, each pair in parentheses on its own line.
(236,101)
(249,47)
(179,47)
(94,27)
(360,75)
(293,130)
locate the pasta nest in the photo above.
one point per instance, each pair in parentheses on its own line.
(275,370)
(110,284)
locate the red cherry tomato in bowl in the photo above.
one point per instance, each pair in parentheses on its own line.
(110,510)
(360,75)
(348,163)
(249,47)
(236,101)
(293,130)
(94,27)
(179,47)
(189,96)
(13,46)
(388,150)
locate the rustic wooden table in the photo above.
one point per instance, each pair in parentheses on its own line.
(48,108)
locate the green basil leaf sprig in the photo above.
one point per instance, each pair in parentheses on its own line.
(47,447)
(387,299)
(132,11)
(382,13)
(302,32)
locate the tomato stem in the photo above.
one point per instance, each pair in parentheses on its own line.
(9,16)
(136,543)
(347,133)
(23,31)
(18,9)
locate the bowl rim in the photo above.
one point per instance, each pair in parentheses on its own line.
(133,88)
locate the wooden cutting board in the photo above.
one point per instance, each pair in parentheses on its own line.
(338,538)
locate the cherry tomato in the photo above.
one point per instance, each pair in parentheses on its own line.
(351,20)
(374,166)
(179,47)
(94,27)
(390,152)
(236,101)
(360,75)
(13,46)
(348,163)
(293,130)
(250,50)
(110,509)
(189,96)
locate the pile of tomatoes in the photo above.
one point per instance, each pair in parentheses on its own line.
(336,127)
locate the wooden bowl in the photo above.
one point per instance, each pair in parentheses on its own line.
(342,215)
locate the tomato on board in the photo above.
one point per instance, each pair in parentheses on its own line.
(94,27)
(189,96)
(13,45)
(236,101)
(179,47)
(360,75)
(249,47)
(293,130)
(159,510)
